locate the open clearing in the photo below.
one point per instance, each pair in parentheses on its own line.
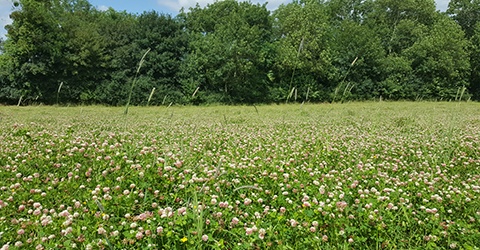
(329,176)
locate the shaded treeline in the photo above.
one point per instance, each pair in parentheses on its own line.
(68,52)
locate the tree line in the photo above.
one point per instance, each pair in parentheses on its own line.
(69,52)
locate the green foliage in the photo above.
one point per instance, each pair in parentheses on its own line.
(426,53)
(358,55)
(239,52)
(466,13)
(475,63)
(303,58)
(228,51)
(440,60)
(34,48)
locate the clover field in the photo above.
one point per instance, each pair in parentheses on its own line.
(382,175)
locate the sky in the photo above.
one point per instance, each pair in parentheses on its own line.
(162,6)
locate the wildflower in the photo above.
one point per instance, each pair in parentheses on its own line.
(66,231)
(235,221)
(325,238)
(139,236)
(261,233)
(341,205)
(101,230)
(205,237)
(293,223)
(184,239)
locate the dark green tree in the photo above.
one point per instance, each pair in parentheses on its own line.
(228,52)
(129,37)
(85,57)
(121,59)
(475,63)
(400,23)
(303,62)
(425,51)
(467,14)
(440,60)
(165,37)
(52,44)
(358,56)
(34,50)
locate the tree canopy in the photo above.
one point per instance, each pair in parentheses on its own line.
(68,52)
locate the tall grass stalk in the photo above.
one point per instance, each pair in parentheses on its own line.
(347,89)
(20,101)
(195,92)
(290,94)
(300,48)
(456,95)
(256,110)
(461,94)
(344,77)
(58,91)
(135,80)
(164,99)
(247,187)
(150,96)
(199,222)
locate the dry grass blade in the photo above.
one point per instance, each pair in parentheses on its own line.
(150,96)
(135,80)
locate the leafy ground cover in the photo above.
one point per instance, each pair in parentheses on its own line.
(349,176)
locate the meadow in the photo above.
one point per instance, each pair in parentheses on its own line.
(382,175)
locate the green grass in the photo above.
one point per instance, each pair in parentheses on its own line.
(331,176)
